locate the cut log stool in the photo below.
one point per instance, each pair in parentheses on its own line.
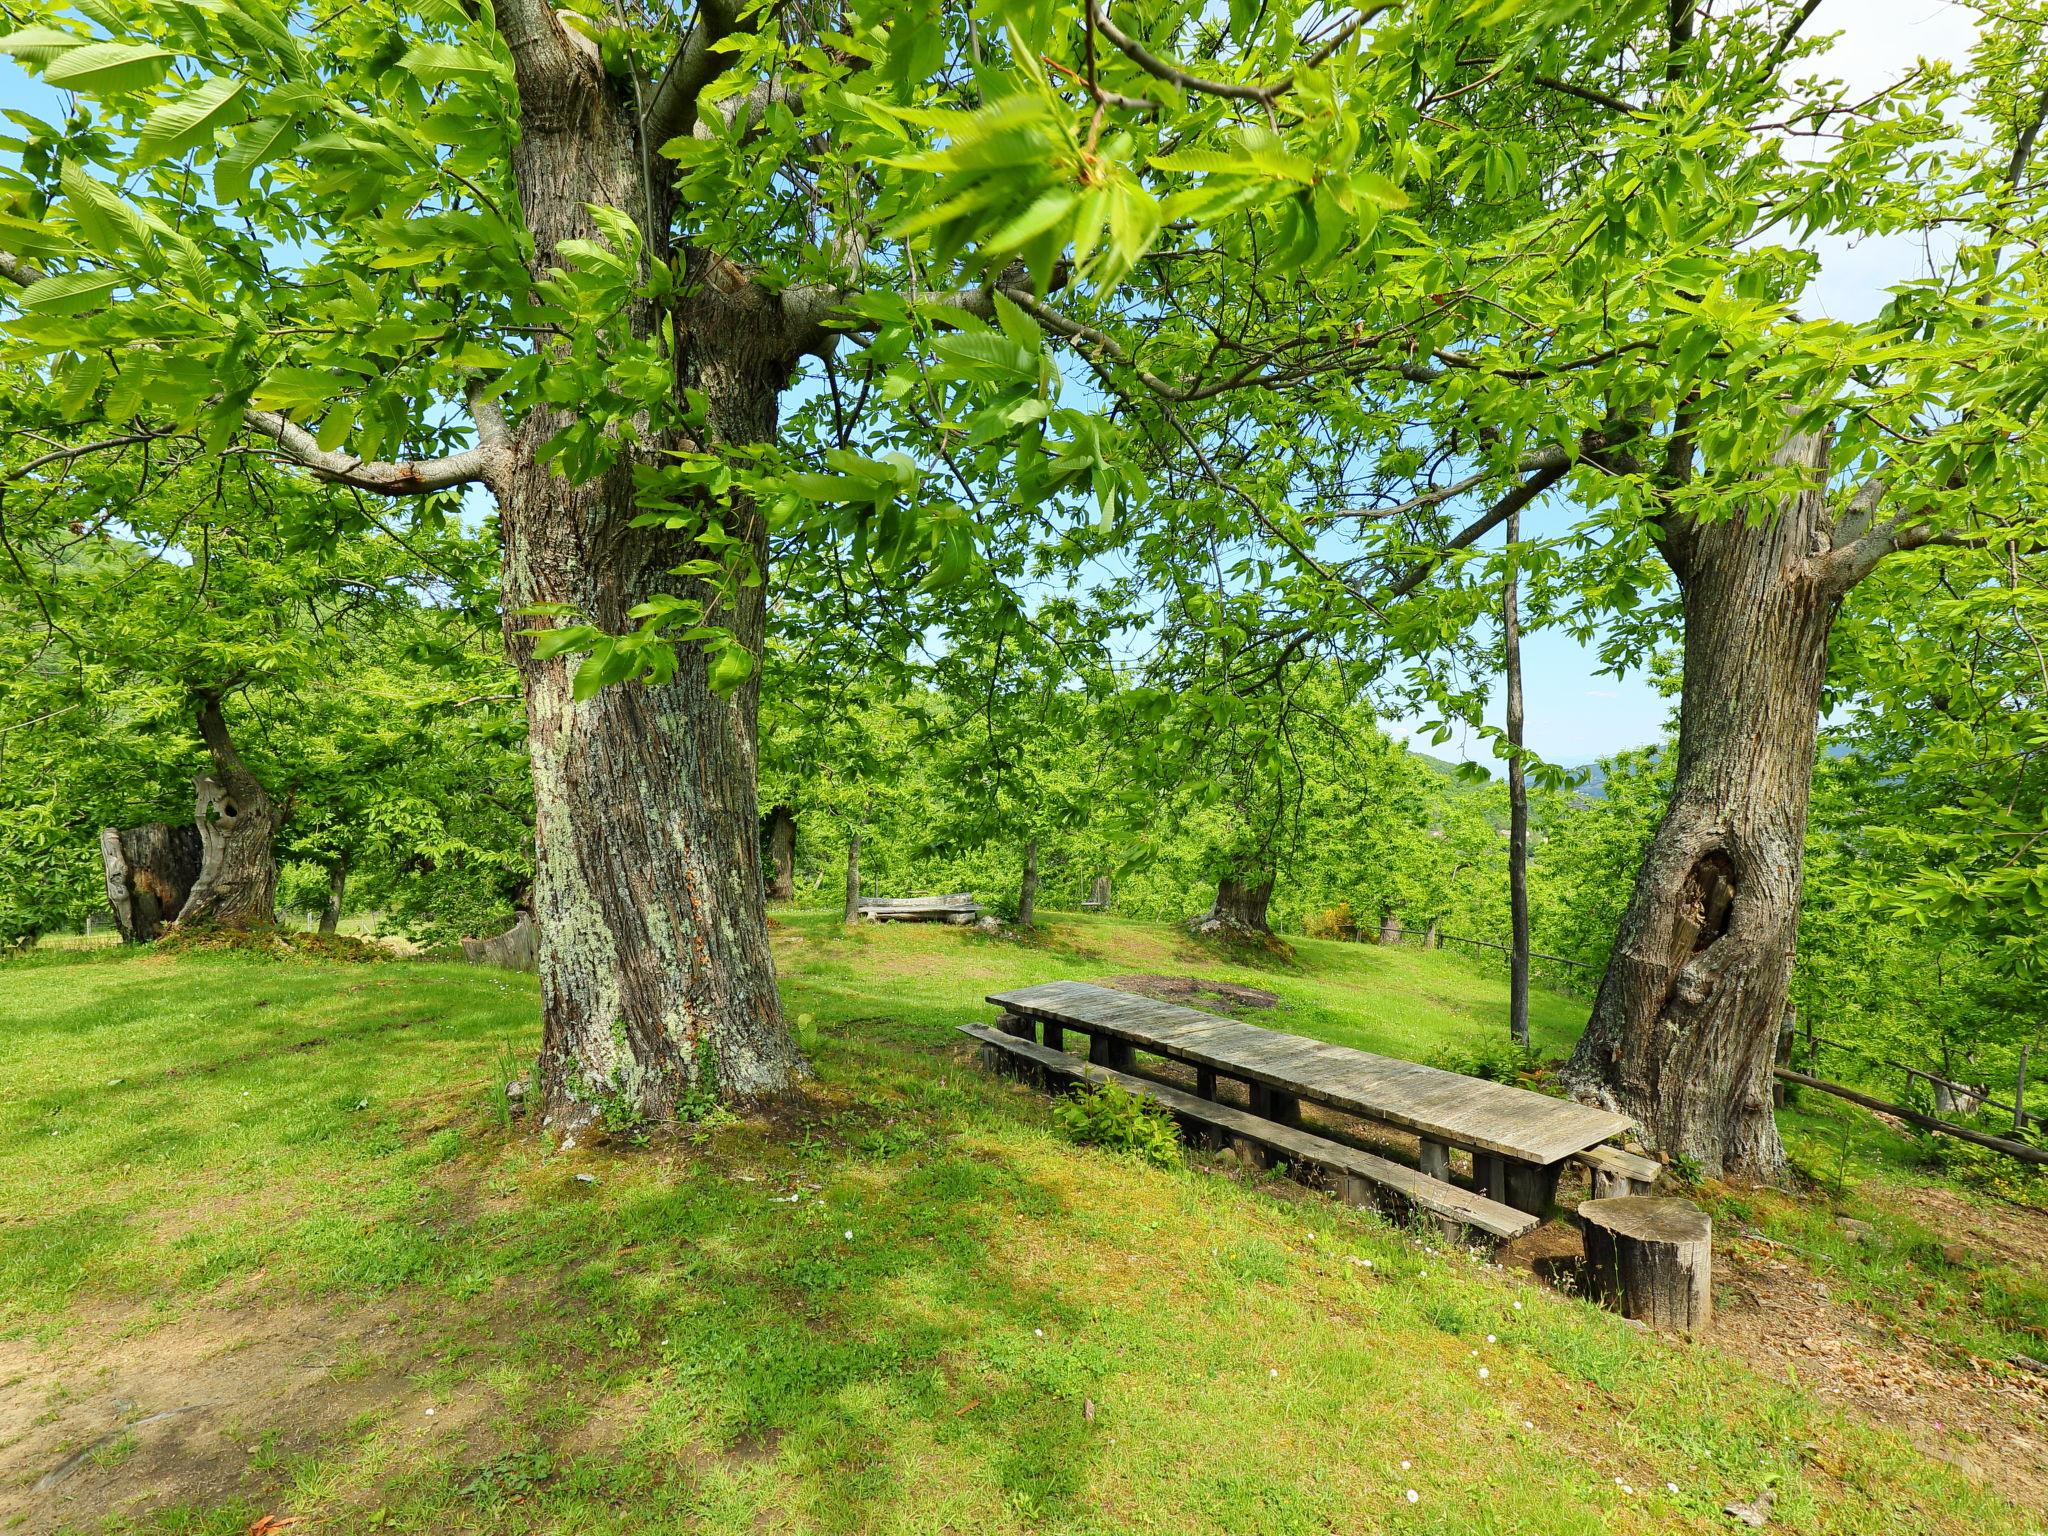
(1652,1260)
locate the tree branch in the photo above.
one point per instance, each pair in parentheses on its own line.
(1173,74)
(672,112)
(1587,93)
(1514,501)
(480,465)
(67,454)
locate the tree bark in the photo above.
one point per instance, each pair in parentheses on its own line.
(237,883)
(1685,1023)
(782,853)
(1240,906)
(1027,891)
(654,961)
(337,882)
(1518,803)
(852,879)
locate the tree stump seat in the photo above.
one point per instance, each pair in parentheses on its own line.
(1652,1259)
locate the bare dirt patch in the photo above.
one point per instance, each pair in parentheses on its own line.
(119,1418)
(1226,997)
(2000,1232)
(1773,1314)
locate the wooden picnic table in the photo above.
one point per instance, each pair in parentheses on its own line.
(1519,1139)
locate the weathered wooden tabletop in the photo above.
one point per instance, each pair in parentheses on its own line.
(1445,1106)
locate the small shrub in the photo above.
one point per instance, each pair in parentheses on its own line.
(1498,1060)
(1107,1116)
(1332,923)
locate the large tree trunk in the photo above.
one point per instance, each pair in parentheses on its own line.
(782,853)
(150,871)
(1686,1020)
(237,884)
(1240,906)
(654,962)
(337,882)
(1518,805)
(1027,891)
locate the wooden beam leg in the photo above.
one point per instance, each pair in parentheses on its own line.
(1123,1056)
(1436,1160)
(1055,1036)
(1016,1024)
(1098,1050)
(1272,1104)
(1490,1176)
(1531,1187)
(1205,1082)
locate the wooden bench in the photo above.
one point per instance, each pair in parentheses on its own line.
(1617,1173)
(960,908)
(1519,1140)
(1359,1178)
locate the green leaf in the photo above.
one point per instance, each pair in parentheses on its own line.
(69,292)
(188,122)
(40,45)
(256,144)
(109,224)
(109,68)
(439,63)
(731,666)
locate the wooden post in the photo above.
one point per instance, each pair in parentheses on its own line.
(1020,1026)
(1788,1031)
(1272,1104)
(1117,1055)
(1055,1035)
(1436,1160)
(2019,1090)
(1530,1187)
(1652,1260)
(1490,1176)
(1205,1082)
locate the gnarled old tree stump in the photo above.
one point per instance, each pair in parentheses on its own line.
(1652,1260)
(150,872)
(516,949)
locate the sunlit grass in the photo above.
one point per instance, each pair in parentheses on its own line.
(962,1322)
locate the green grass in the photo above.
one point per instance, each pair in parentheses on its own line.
(963,1322)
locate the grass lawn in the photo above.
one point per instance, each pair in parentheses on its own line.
(271,1247)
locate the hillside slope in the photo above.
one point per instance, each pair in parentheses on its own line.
(270,1248)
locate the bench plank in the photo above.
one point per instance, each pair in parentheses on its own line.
(1617,1172)
(1424,1193)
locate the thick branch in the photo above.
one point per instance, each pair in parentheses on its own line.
(409,477)
(672,112)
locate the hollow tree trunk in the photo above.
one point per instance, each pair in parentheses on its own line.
(1685,1023)
(150,871)
(654,963)
(237,883)
(1027,890)
(782,853)
(337,882)
(1240,906)
(852,914)
(1518,805)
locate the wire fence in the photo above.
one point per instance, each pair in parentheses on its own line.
(1556,971)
